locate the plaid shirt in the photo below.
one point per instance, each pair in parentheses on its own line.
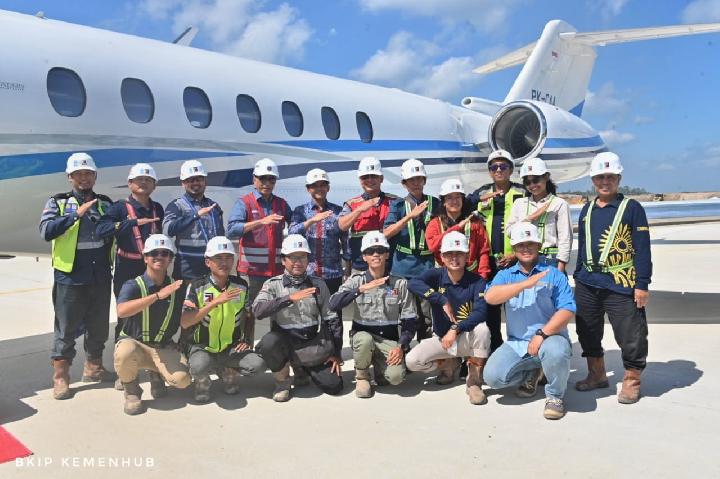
(326,240)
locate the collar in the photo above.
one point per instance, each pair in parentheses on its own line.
(445,277)
(515,269)
(187,196)
(369,277)
(286,279)
(80,197)
(137,205)
(149,283)
(314,206)
(259,196)
(366,197)
(414,201)
(614,203)
(214,282)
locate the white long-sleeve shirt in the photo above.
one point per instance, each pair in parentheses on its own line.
(558,224)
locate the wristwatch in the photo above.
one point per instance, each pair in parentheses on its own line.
(455,327)
(540,332)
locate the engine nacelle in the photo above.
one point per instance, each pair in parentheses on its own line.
(530,128)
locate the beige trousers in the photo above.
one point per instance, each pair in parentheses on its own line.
(475,343)
(132,355)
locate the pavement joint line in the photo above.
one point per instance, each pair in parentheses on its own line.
(27,290)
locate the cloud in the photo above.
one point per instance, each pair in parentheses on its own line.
(614,138)
(484,15)
(417,65)
(643,120)
(239,27)
(701,11)
(608,8)
(606,102)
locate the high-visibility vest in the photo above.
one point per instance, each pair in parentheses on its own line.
(137,235)
(145,329)
(417,247)
(65,245)
(260,248)
(489,213)
(372,219)
(224,325)
(602,265)
(550,250)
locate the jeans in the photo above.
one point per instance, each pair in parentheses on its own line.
(505,368)
(628,322)
(277,349)
(80,309)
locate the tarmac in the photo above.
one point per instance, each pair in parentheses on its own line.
(417,429)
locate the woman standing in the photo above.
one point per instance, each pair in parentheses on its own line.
(550,213)
(455,214)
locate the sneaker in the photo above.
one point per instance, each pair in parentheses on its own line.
(554,408)
(529,388)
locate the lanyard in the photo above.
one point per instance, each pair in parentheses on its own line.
(200,219)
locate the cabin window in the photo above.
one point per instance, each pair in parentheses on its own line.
(292,117)
(66,92)
(330,122)
(197,107)
(364,127)
(248,113)
(137,100)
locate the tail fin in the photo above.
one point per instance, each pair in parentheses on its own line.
(559,65)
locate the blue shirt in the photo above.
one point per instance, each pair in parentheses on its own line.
(239,216)
(533,307)
(467,298)
(191,233)
(328,245)
(632,242)
(404,264)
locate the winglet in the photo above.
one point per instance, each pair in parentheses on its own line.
(186,37)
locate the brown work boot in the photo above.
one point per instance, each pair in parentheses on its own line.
(231,381)
(158,388)
(630,392)
(133,402)
(596,377)
(363,389)
(94,372)
(474,380)
(446,371)
(282,384)
(529,388)
(61,379)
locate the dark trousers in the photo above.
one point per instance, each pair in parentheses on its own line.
(423,324)
(277,349)
(493,321)
(628,322)
(80,310)
(125,270)
(334,284)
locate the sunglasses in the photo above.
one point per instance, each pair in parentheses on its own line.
(367,177)
(267,178)
(532,181)
(499,166)
(160,253)
(379,250)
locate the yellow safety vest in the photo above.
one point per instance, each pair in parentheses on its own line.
(219,329)
(489,212)
(65,245)
(417,247)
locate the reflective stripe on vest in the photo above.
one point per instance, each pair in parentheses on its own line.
(64,246)
(589,263)
(421,247)
(550,250)
(489,212)
(146,315)
(260,248)
(217,333)
(139,242)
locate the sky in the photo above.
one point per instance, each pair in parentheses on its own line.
(655,103)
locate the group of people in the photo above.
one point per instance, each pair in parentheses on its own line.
(439,269)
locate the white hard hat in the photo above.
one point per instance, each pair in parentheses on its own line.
(606,162)
(502,154)
(369,166)
(374,238)
(80,161)
(265,167)
(523,232)
(219,245)
(453,185)
(191,168)
(533,167)
(315,175)
(142,169)
(293,244)
(454,241)
(412,168)
(158,241)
